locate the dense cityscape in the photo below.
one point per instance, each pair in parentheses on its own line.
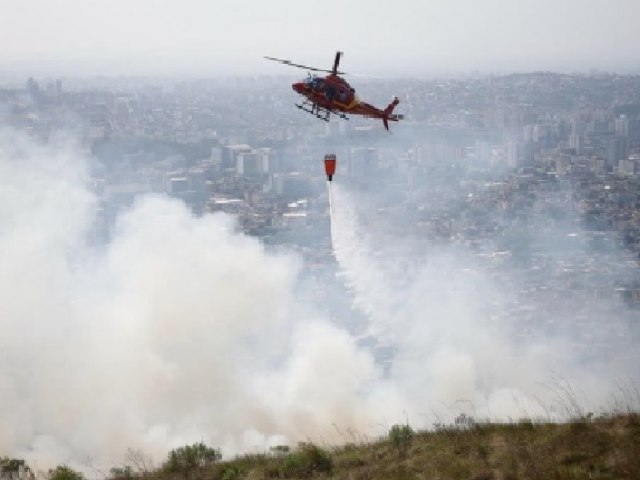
(491,143)
(475,158)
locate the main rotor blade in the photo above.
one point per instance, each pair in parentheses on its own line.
(307,67)
(336,62)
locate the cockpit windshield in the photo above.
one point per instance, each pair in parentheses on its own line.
(315,83)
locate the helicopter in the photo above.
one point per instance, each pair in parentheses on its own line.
(332,94)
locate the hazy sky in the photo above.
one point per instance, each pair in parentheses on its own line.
(196,37)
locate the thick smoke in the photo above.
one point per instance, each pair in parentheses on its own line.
(445,317)
(179,329)
(182,329)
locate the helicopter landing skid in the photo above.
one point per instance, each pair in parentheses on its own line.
(314,110)
(321,113)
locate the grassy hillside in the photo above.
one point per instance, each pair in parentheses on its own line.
(603,448)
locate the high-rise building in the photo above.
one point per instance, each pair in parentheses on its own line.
(252,163)
(291,185)
(626,167)
(519,154)
(578,127)
(621,126)
(598,165)
(562,164)
(228,153)
(616,150)
(576,141)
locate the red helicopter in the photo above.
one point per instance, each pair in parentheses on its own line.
(332,94)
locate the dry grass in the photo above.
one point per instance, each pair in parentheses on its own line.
(589,448)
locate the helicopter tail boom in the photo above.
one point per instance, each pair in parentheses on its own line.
(388,115)
(391,106)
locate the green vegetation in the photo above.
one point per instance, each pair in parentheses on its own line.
(400,437)
(306,461)
(121,473)
(587,448)
(191,459)
(62,472)
(11,465)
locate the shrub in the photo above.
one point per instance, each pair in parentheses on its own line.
(121,473)
(231,473)
(191,457)
(280,449)
(401,437)
(11,465)
(62,472)
(308,459)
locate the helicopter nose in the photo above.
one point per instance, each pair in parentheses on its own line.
(298,87)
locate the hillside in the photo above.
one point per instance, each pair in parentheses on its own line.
(602,448)
(590,448)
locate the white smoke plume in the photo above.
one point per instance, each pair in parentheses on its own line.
(455,350)
(179,329)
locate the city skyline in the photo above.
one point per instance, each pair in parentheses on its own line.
(409,37)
